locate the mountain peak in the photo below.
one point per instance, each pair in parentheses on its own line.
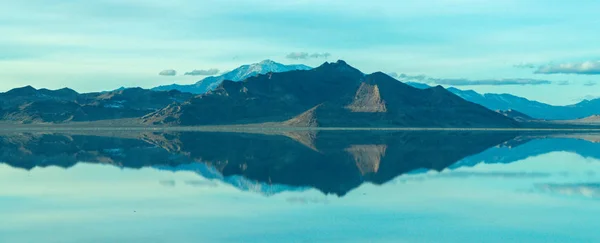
(341,62)
(337,63)
(268,61)
(339,66)
(23,90)
(240,73)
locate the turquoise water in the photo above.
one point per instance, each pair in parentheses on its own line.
(549,191)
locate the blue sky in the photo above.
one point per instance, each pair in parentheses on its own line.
(104,44)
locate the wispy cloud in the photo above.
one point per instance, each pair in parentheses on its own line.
(320,55)
(168,72)
(525,65)
(586,68)
(297,55)
(591,190)
(393,74)
(200,183)
(306,55)
(465,82)
(590,83)
(168,183)
(203,72)
(306,200)
(587,97)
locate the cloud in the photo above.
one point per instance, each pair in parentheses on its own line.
(590,190)
(393,74)
(297,55)
(320,55)
(168,72)
(201,183)
(563,83)
(464,82)
(201,72)
(525,65)
(306,200)
(586,68)
(306,55)
(494,174)
(167,183)
(520,81)
(590,83)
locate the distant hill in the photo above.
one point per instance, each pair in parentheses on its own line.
(516,115)
(334,94)
(590,120)
(238,74)
(532,108)
(30,105)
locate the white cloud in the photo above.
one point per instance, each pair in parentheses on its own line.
(586,68)
(465,82)
(525,65)
(200,72)
(168,72)
(297,55)
(306,55)
(320,55)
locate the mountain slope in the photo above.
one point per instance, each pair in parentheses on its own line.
(338,94)
(532,108)
(516,115)
(30,105)
(238,74)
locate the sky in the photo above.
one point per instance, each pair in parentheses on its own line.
(545,50)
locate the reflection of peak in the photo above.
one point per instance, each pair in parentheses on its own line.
(239,182)
(306,137)
(333,162)
(367,157)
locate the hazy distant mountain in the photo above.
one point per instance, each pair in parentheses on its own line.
(530,148)
(590,120)
(532,108)
(334,94)
(30,105)
(240,182)
(238,74)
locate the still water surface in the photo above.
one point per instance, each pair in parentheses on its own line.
(300,187)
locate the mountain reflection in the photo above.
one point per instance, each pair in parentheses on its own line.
(334,162)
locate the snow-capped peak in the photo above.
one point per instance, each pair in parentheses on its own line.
(246,71)
(238,74)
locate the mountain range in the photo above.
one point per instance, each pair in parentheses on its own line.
(534,109)
(238,74)
(496,102)
(331,95)
(30,105)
